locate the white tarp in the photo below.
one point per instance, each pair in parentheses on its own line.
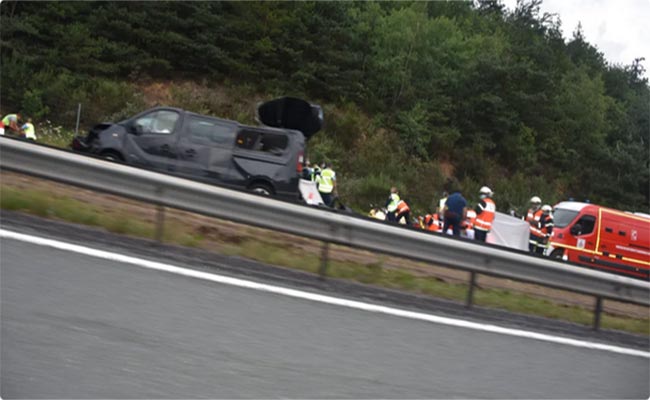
(509,231)
(310,193)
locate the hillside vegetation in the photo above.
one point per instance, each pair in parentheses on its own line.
(413,92)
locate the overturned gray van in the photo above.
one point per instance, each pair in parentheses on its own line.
(264,159)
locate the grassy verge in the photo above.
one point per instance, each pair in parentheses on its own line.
(269,251)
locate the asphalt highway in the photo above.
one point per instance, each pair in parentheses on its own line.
(76,326)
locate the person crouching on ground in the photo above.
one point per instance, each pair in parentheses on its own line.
(27,131)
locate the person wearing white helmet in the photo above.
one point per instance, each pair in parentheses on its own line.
(485,212)
(546,226)
(533,218)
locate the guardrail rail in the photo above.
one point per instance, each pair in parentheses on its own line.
(325,225)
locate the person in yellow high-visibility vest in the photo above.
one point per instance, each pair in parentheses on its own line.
(391,204)
(28,131)
(10,124)
(326,182)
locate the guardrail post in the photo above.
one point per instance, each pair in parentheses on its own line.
(160,217)
(160,222)
(597,312)
(322,271)
(470,290)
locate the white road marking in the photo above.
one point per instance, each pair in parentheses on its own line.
(316,297)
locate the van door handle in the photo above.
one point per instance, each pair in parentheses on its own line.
(164,148)
(190,153)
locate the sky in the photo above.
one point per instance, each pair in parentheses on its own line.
(616,27)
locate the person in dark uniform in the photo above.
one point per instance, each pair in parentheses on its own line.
(455,212)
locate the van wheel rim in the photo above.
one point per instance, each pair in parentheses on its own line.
(260,190)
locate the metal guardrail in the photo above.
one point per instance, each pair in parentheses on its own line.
(324,225)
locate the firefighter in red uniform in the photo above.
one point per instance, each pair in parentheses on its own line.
(485,212)
(546,226)
(533,217)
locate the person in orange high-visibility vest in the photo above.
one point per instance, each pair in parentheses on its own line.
(485,212)
(403,210)
(432,222)
(436,226)
(533,217)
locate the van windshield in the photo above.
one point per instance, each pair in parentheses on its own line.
(562,218)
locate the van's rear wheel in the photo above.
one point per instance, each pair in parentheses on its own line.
(261,188)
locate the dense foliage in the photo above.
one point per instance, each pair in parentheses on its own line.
(414,92)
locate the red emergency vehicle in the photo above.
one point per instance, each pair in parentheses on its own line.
(602,238)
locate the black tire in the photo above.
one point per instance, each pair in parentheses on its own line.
(261,188)
(112,156)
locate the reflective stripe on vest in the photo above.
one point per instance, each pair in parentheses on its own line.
(485,218)
(394,199)
(326,181)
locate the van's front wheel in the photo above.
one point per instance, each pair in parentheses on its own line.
(110,155)
(261,188)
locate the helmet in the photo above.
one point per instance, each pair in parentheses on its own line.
(547,208)
(486,191)
(535,200)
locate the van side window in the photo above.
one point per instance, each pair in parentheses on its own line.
(587,224)
(158,122)
(267,142)
(210,132)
